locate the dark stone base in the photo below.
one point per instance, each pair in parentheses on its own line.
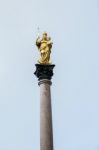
(44,71)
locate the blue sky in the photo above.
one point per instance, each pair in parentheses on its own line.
(74,28)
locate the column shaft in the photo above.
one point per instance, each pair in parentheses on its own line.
(46,134)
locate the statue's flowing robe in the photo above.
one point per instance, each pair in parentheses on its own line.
(45,50)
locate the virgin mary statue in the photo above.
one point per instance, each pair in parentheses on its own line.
(44,45)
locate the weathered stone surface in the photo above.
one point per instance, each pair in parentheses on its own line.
(46,133)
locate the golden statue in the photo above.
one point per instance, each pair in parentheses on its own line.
(44,45)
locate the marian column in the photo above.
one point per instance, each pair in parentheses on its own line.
(44,73)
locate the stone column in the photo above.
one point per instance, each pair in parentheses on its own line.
(44,74)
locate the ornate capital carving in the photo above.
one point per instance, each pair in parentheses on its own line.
(44,71)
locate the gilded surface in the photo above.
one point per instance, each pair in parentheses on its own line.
(44,45)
